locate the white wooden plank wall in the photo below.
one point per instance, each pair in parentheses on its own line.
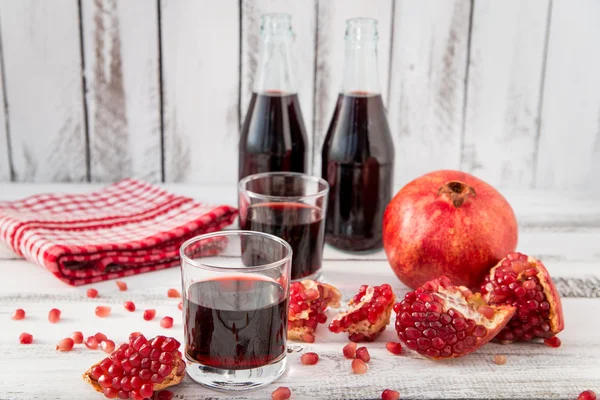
(506,90)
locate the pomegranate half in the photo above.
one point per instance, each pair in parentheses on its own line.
(447,223)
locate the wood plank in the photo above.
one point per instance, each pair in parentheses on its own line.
(331,20)
(569,142)
(123,92)
(201,61)
(304,25)
(5,174)
(42,67)
(508,43)
(428,73)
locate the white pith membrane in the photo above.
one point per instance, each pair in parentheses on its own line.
(364,326)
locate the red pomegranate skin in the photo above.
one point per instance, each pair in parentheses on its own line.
(436,225)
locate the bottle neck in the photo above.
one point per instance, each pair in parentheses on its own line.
(361,72)
(274,72)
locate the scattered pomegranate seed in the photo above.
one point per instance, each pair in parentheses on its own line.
(134,335)
(309,358)
(553,341)
(166,322)
(149,314)
(389,394)
(394,347)
(359,366)
(107,346)
(129,306)
(25,338)
(92,293)
(180,305)
(165,395)
(100,337)
(281,393)
(19,314)
(587,395)
(122,285)
(65,344)
(363,354)
(102,311)
(349,350)
(308,338)
(54,315)
(91,343)
(77,337)
(500,359)
(173,293)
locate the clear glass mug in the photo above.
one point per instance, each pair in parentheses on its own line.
(235,308)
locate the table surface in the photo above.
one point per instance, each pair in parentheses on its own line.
(562,229)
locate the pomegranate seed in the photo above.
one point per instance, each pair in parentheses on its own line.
(349,350)
(19,314)
(554,341)
(91,343)
(363,354)
(54,315)
(164,395)
(122,285)
(77,337)
(100,337)
(149,314)
(107,346)
(359,366)
(25,338)
(92,293)
(102,311)
(309,358)
(173,293)
(587,395)
(166,322)
(146,390)
(134,335)
(389,394)
(180,305)
(129,306)
(110,393)
(500,359)
(394,347)
(281,393)
(65,344)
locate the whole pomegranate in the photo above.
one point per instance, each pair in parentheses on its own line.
(447,223)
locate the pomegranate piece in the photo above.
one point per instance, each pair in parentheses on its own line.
(107,346)
(363,354)
(129,306)
(359,366)
(25,338)
(309,358)
(54,315)
(91,343)
(281,393)
(173,293)
(523,282)
(553,341)
(77,337)
(440,320)
(394,347)
(500,359)
(308,301)
(129,372)
(121,285)
(92,293)
(368,314)
(349,350)
(389,394)
(587,395)
(65,344)
(149,314)
(166,322)
(102,311)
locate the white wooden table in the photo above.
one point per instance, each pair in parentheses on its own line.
(563,229)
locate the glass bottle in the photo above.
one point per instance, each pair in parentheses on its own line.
(358,152)
(273,137)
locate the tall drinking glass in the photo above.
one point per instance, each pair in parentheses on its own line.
(235,308)
(291,206)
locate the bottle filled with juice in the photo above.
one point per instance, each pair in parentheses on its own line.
(358,152)
(273,136)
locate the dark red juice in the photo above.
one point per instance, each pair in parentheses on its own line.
(273,137)
(298,224)
(358,160)
(235,323)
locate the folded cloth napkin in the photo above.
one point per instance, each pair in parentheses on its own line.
(125,229)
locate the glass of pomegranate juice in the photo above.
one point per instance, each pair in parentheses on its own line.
(235,308)
(291,206)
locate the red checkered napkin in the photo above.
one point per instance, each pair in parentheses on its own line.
(125,229)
